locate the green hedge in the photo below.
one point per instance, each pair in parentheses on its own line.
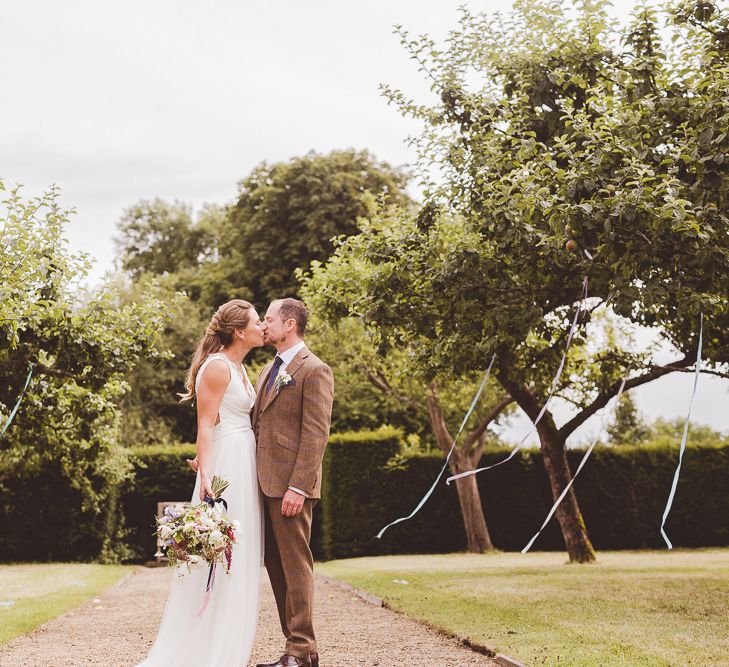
(622,492)
(360,496)
(41,519)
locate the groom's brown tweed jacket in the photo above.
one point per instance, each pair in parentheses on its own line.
(292,426)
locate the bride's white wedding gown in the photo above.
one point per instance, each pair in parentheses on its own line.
(223,635)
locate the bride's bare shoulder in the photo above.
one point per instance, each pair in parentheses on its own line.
(215,375)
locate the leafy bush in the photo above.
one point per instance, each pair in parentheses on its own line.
(62,458)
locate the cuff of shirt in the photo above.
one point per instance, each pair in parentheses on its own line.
(293,488)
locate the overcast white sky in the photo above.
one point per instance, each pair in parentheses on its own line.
(115,102)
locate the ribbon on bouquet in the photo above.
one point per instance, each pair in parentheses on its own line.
(213,566)
(574,477)
(450,452)
(11,416)
(208,590)
(684,437)
(553,388)
(211,501)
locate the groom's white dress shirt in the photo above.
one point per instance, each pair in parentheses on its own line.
(288,357)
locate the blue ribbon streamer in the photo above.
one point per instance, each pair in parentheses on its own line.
(574,477)
(684,437)
(20,398)
(553,388)
(448,457)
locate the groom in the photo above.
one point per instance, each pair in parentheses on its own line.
(291,420)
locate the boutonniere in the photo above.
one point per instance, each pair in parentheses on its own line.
(282,380)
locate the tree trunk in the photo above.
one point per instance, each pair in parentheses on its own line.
(574,532)
(568,513)
(474,521)
(469,498)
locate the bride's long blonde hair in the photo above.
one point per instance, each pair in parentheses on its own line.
(235,314)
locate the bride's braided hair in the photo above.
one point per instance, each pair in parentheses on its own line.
(229,317)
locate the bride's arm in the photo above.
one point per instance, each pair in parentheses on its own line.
(213,384)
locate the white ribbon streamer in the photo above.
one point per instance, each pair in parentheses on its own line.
(448,457)
(684,437)
(555,382)
(574,477)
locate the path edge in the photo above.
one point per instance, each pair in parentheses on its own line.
(39,628)
(476,647)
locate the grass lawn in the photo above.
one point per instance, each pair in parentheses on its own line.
(31,594)
(629,608)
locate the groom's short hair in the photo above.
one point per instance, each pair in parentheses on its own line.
(293,309)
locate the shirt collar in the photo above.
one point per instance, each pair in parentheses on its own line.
(289,355)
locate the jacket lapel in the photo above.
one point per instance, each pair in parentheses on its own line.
(296,363)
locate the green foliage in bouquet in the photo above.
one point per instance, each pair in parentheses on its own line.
(218,486)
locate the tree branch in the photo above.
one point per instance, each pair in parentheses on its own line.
(604,398)
(561,397)
(708,371)
(379,381)
(437,419)
(475,454)
(495,411)
(527,401)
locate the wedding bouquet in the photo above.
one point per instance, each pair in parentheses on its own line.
(190,533)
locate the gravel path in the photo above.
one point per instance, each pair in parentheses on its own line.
(117,628)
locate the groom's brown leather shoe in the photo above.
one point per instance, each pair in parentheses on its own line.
(314,658)
(288,661)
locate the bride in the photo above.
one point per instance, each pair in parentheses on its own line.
(222,636)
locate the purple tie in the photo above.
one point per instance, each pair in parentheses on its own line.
(274,372)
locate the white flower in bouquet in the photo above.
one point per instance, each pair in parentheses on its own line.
(173,512)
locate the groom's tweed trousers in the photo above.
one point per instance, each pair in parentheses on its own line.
(290,568)
(292,430)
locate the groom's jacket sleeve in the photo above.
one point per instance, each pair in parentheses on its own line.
(317,399)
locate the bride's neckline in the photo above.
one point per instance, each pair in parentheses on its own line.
(239,369)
